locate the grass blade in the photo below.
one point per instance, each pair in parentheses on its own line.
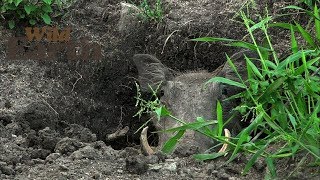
(272,88)
(226,81)
(170,145)
(271,167)
(294,43)
(219,118)
(203,157)
(254,68)
(306,35)
(193,126)
(317,21)
(253,159)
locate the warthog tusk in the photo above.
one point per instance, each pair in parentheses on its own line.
(227,134)
(146,149)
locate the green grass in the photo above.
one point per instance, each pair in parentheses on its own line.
(150,11)
(281,97)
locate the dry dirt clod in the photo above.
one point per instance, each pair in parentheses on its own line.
(119,133)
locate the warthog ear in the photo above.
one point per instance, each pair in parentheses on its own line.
(151,71)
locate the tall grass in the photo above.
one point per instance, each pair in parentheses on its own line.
(281,97)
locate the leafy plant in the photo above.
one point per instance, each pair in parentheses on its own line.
(31,11)
(151,12)
(281,97)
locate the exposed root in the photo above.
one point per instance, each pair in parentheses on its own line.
(146,149)
(117,134)
(225,145)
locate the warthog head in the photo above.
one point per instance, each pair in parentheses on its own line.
(185,96)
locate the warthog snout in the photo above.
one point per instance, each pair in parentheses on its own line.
(185,96)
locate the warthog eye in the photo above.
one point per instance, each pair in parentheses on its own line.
(224,91)
(161,93)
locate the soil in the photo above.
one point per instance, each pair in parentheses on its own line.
(56,115)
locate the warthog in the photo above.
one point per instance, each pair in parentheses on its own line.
(185,96)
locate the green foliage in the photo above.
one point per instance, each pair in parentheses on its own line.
(281,97)
(151,12)
(16,11)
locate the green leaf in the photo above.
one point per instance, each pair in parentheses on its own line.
(254,68)
(294,43)
(292,120)
(193,126)
(17,2)
(292,58)
(284,25)
(317,21)
(32,21)
(47,1)
(46,8)
(306,35)
(253,159)
(260,24)
(270,64)
(169,146)
(272,88)
(244,135)
(271,167)
(161,111)
(226,81)
(11,24)
(219,118)
(294,7)
(46,18)
(211,156)
(29,8)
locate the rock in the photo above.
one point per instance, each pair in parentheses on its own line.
(136,164)
(86,152)
(21,141)
(48,138)
(67,146)
(129,19)
(38,115)
(40,153)
(172,167)
(52,157)
(81,133)
(6,169)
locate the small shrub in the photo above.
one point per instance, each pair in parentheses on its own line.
(282,97)
(18,11)
(151,12)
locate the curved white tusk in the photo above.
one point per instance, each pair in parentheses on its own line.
(146,149)
(227,134)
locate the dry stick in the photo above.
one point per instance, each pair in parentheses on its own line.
(165,42)
(50,106)
(73,86)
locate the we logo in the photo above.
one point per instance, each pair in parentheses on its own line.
(50,43)
(48,33)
